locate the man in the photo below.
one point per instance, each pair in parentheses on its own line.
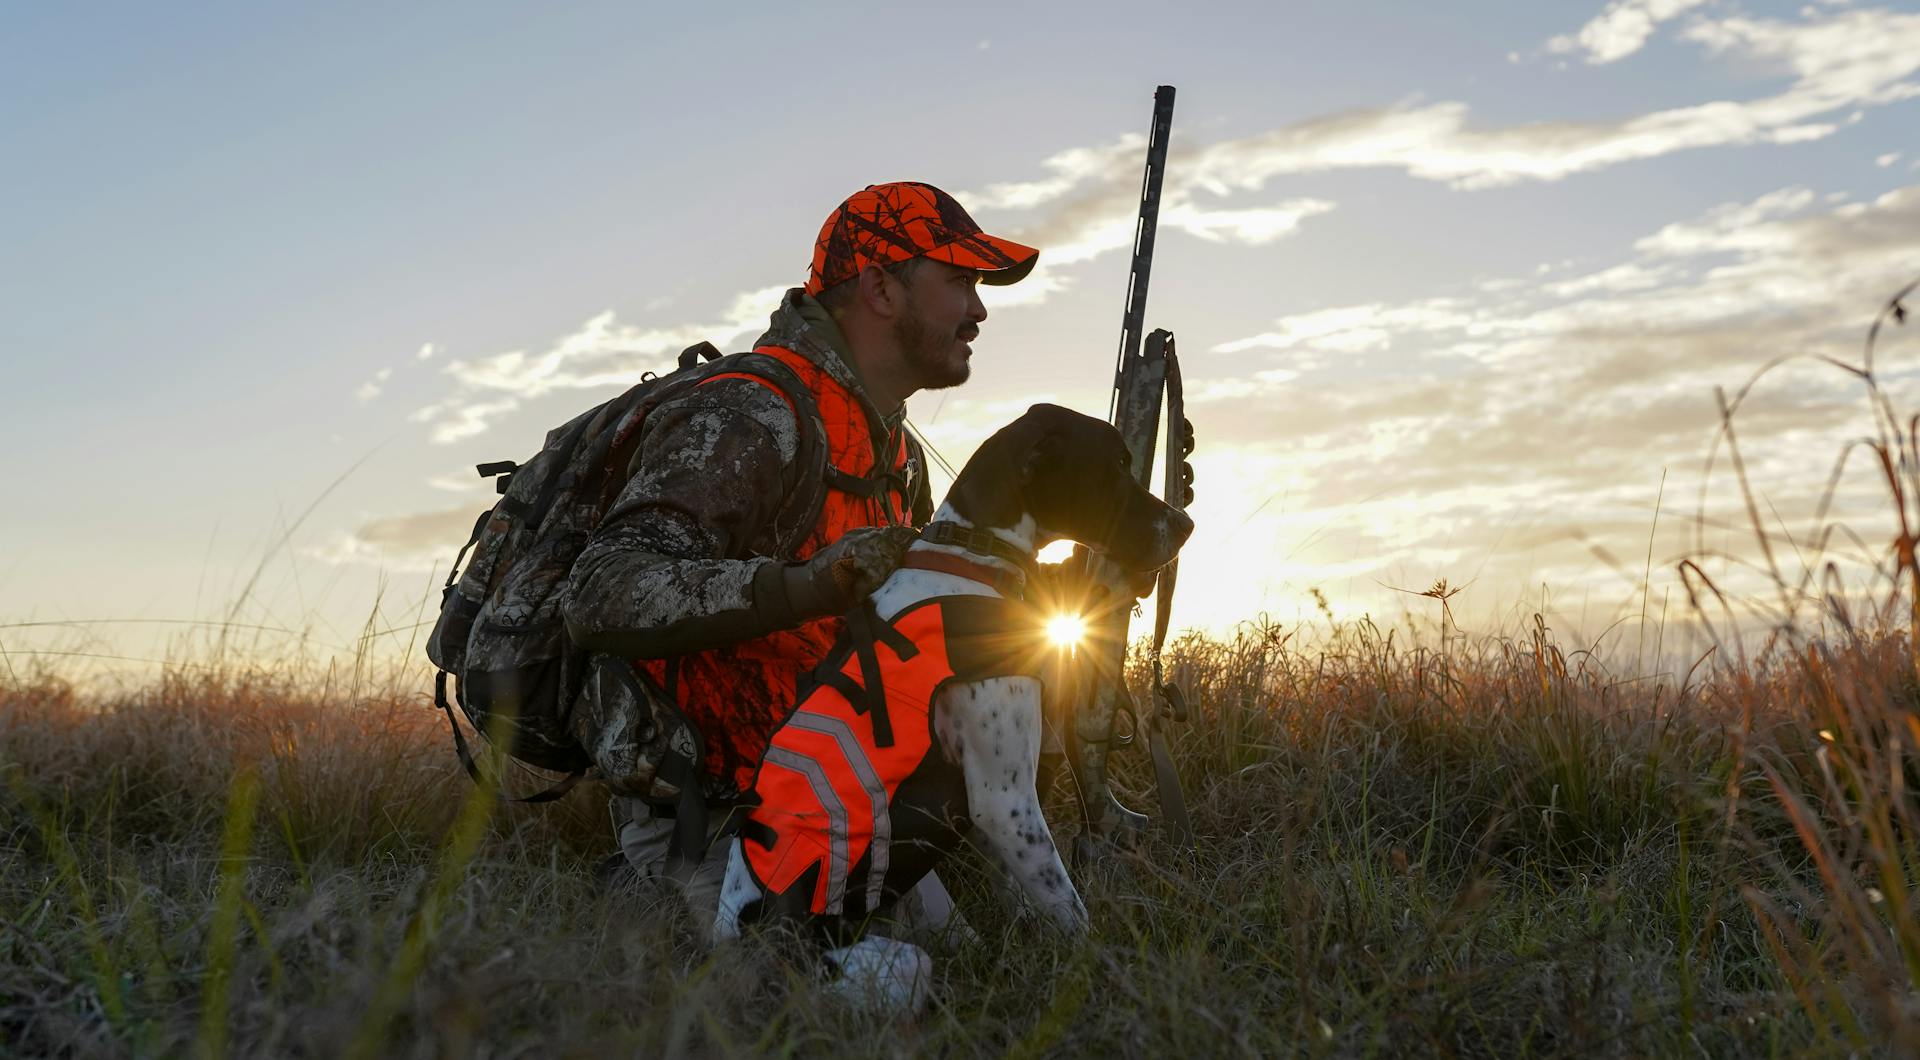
(700,572)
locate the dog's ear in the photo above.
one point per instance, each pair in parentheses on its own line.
(1043,459)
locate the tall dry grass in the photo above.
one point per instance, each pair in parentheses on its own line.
(1493,846)
(1499,850)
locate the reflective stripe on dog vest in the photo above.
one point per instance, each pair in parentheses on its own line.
(855,799)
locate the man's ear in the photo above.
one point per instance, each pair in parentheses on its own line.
(878,292)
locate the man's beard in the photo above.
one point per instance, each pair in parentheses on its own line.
(928,352)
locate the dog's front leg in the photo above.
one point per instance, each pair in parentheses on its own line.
(737,891)
(992,728)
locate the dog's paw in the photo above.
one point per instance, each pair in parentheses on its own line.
(882,977)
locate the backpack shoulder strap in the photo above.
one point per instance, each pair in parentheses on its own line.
(807,492)
(919,505)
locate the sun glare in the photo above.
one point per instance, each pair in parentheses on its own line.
(1066,630)
(1055,551)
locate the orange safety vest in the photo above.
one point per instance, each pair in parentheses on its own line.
(855,800)
(736,694)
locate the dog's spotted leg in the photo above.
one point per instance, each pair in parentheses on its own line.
(927,914)
(992,728)
(737,891)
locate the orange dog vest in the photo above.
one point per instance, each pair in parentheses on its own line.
(855,800)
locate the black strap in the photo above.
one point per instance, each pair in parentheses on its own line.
(868,696)
(453,573)
(565,785)
(459,738)
(887,633)
(461,748)
(756,831)
(688,847)
(881,480)
(698,352)
(980,542)
(860,627)
(1179,492)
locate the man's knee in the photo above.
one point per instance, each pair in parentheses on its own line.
(645,840)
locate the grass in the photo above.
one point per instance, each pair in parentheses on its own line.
(1498,847)
(1490,851)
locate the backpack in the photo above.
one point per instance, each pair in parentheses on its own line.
(500,634)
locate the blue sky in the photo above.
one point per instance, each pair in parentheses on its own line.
(1454,283)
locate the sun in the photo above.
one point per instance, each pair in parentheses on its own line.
(1066,630)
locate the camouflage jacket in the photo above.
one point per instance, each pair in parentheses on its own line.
(684,560)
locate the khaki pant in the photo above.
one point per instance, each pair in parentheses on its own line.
(647,841)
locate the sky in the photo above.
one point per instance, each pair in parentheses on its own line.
(1453,285)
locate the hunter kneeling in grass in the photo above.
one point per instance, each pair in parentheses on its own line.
(761,505)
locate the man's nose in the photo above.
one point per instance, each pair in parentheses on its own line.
(976,309)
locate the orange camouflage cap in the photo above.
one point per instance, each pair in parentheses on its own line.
(888,223)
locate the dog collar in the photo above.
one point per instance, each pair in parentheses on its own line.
(1009,584)
(977,541)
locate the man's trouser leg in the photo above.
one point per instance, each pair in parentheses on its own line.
(646,840)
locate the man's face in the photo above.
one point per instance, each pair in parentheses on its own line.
(943,315)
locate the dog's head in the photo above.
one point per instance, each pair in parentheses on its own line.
(1072,474)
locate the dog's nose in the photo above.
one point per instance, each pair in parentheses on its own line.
(1179,526)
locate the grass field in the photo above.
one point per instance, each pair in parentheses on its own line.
(1495,851)
(1496,846)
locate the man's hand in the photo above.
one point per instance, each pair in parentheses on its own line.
(848,571)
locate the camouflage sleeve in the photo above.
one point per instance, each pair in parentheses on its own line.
(672,568)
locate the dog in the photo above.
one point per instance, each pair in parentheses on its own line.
(923,727)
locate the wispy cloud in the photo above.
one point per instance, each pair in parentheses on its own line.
(461,417)
(371,388)
(405,542)
(1621,29)
(1566,393)
(1838,62)
(1353,329)
(601,352)
(1083,204)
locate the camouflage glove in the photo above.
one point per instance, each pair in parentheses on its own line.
(847,571)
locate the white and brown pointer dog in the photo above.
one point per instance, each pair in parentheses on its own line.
(873,779)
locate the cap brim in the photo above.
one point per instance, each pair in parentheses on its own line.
(1000,261)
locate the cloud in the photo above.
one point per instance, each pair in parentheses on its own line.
(1762,272)
(455,418)
(601,352)
(1084,203)
(372,387)
(1621,29)
(426,351)
(1091,197)
(1352,329)
(405,542)
(1839,63)
(1525,425)
(1729,227)
(1042,283)
(463,481)
(1887,160)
